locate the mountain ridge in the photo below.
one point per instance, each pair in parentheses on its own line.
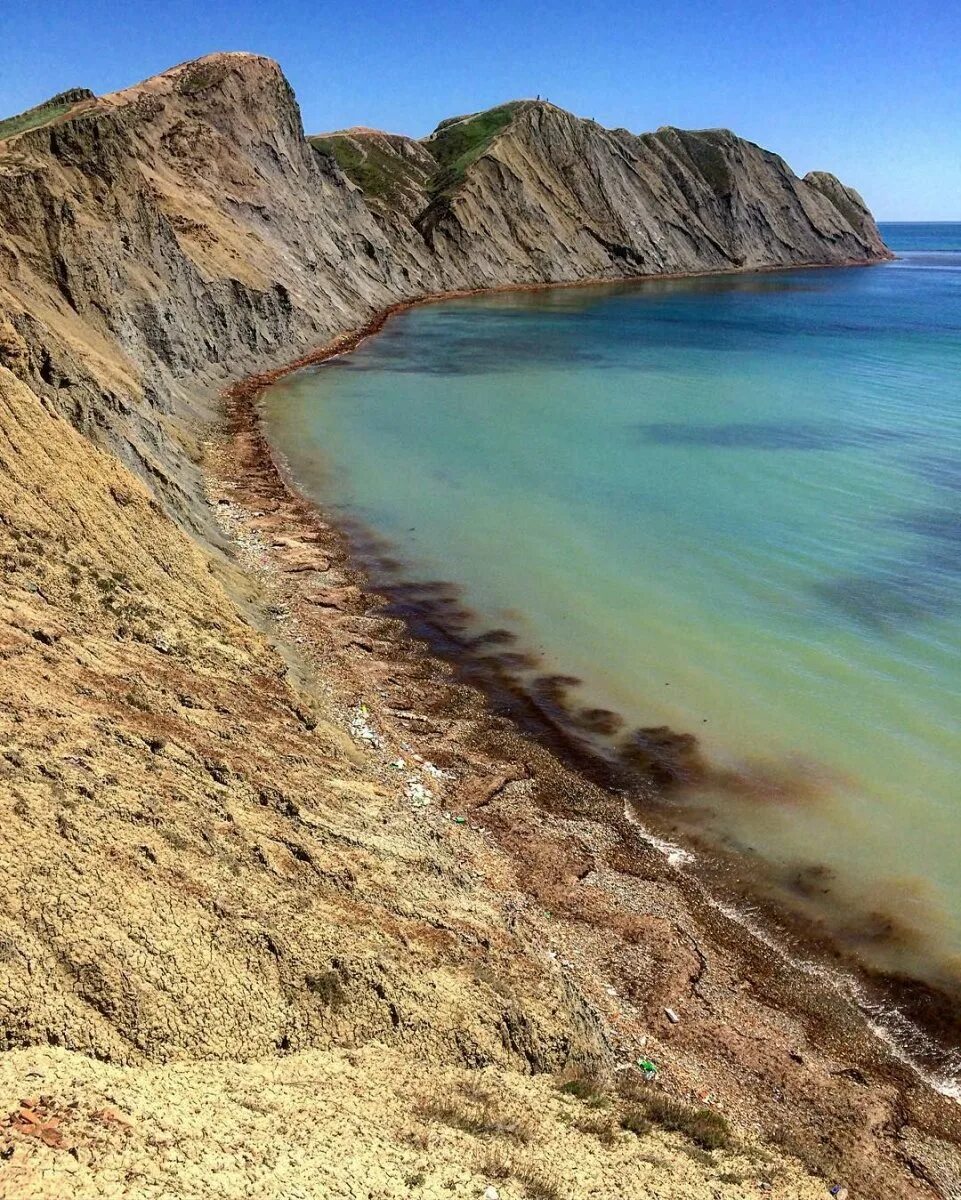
(847,213)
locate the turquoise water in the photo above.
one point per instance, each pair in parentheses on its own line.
(728,505)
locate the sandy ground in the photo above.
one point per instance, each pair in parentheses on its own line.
(358,1124)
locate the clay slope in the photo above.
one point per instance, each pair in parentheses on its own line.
(172,236)
(261,893)
(529,192)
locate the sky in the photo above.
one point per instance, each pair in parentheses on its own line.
(868,90)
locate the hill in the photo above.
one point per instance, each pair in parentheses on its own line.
(284,906)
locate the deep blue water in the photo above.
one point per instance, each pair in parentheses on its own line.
(914,236)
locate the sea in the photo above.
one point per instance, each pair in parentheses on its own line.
(729,506)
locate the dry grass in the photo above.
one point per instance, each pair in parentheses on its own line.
(705,1127)
(418,1136)
(819,1158)
(500,1166)
(540,1186)
(601,1127)
(701,1157)
(585,1085)
(635,1120)
(479,1112)
(495,1164)
(328,987)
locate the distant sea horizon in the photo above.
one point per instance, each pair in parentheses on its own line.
(921,235)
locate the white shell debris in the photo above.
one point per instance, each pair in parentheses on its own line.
(671,1015)
(417,794)
(435,771)
(361,729)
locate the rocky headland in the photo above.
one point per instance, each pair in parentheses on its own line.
(285,908)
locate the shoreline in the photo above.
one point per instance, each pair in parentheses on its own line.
(432,614)
(248,387)
(351,622)
(916,1019)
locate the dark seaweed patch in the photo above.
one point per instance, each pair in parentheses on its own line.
(553,689)
(493,637)
(599,720)
(939,525)
(920,584)
(943,470)
(664,756)
(450,345)
(813,881)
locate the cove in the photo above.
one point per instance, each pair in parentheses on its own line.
(730,506)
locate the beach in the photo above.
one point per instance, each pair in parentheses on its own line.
(778,1044)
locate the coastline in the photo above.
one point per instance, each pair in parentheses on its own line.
(540,805)
(248,387)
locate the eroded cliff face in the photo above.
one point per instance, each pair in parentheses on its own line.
(216,842)
(172,236)
(180,233)
(531,193)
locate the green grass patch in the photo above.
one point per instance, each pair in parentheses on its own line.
(380,174)
(456,144)
(710,160)
(50,110)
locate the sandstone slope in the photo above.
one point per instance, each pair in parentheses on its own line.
(528,192)
(215,879)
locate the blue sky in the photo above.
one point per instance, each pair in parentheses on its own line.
(871,91)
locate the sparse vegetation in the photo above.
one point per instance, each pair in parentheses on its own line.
(601,1127)
(200,76)
(705,1127)
(484,975)
(817,1156)
(586,1086)
(478,1112)
(327,987)
(173,837)
(456,144)
(137,697)
(709,160)
(379,174)
(697,1154)
(538,1186)
(50,110)
(495,1164)
(636,1121)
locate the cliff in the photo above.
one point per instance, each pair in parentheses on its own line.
(554,196)
(239,949)
(166,238)
(527,192)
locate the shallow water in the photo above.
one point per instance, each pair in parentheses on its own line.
(728,505)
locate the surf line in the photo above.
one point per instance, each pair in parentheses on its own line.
(888,1025)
